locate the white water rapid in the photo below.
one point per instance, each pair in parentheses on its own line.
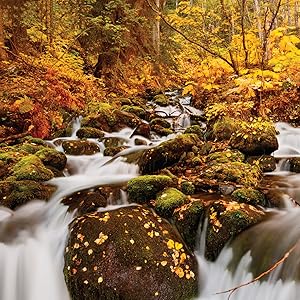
(32,238)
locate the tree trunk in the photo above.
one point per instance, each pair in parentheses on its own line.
(258,14)
(296,16)
(3,54)
(156,29)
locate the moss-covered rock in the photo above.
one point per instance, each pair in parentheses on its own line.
(255,138)
(168,200)
(187,187)
(162,130)
(137,110)
(16,193)
(80,147)
(53,158)
(223,129)
(106,249)
(142,189)
(161,100)
(225,221)
(249,196)
(143,129)
(267,163)
(295,164)
(112,151)
(187,220)
(237,172)
(196,129)
(161,122)
(225,157)
(89,132)
(31,168)
(167,153)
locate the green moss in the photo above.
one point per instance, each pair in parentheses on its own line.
(238,172)
(161,100)
(162,130)
(187,188)
(140,112)
(196,129)
(80,147)
(225,156)
(112,151)
(224,128)
(161,122)
(267,163)
(144,188)
(31,168)
(52,157)
(168,200)
(89,132)
(250,196)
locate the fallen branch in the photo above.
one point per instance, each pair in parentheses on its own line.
(273,267)
(14,137)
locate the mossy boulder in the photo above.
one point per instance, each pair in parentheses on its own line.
(267,163)
(187,220)
(14,193)
(162,131)
(143,129)
(249,196)
(137,110)
(225,221)
(130,254)
(168,200)
(89,132)
(167,153)
(187,187)
(225,157)
(255,138)
(80,147)
(295,164)
(112,151)
(223,129)
(142,189)
(31,168)
(161,122)
(161,100)
(53,158)
(237,172)
(196,129)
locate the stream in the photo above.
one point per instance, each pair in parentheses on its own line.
(33,238)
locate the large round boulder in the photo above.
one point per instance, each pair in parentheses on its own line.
(130,254)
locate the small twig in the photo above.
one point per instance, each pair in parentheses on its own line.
(274,266)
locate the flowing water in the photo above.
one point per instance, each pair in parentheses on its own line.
(32,238)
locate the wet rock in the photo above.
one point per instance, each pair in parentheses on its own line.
(31,168)
(143,129)
(249,196)
(80,147)
(237,172)
(162,130)
(295,164)
(90,132)
(144,188)
(113,142)
(112,151)
(196,129)
(168,200)
(53,158)
(255,138)
(14,193)
(86,201)
(267,163)
(223,129)
(161,122)
(130,254)
(167,153)
(138,111)
(225,221)
(161,100)
(187,220)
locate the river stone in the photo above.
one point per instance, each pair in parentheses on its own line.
(130,254)
(225,221)
(167,153)
(249,196)
(53,158)
(161,122)
(142,189)
(90,132)
(295,164)
(162,131)
(267,163)
(80,147)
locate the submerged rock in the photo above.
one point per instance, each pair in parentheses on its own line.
(80,147)
(144,188)
(167,153)
(130,254)
(168,200)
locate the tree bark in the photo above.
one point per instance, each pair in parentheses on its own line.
(156,29)
(3,54)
